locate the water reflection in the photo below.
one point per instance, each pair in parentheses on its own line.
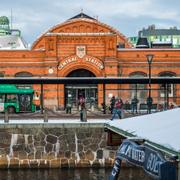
(55,174)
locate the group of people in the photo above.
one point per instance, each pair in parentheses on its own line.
(116,106)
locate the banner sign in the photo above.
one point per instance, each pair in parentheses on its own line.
(147,158)
(1,107)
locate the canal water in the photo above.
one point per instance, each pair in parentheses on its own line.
(56,174)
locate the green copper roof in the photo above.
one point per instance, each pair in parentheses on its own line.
(4,20)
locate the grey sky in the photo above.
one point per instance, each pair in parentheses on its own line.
(33,17)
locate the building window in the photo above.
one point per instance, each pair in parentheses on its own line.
(23,74)
(169,87)
(138,90)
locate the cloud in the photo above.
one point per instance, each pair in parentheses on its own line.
(34,17)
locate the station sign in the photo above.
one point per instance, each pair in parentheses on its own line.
(143,156)
(86,59)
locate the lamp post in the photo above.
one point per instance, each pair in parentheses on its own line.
(149,99)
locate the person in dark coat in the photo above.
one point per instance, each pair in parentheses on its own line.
(134,103)
(149,104)
(112,103)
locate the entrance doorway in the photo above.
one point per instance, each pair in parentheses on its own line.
(81,92)
(74,92)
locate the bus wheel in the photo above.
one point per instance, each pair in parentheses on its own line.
(10,110)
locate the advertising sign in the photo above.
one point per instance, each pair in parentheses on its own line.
(1,107)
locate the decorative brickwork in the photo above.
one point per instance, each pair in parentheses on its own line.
(55,54)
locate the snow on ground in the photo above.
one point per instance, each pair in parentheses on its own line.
(162,128)
(54,121)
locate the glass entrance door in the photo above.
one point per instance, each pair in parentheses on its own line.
(73,93)
(88,91)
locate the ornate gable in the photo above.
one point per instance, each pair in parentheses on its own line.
(81,23)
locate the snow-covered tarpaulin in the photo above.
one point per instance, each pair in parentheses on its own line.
(162,128)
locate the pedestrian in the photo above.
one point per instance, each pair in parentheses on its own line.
(69,106)
(134,103)
(127,105)
(117,110)
(160,107)
(149,104)
(171,106)
(112,103)
(83,112)
(81,102)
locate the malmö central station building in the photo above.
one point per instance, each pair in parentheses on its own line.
(85,47)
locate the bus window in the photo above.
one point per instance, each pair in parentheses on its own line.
(19,99)
(11,97)
(2,97)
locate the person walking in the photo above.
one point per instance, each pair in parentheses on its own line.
(117,110)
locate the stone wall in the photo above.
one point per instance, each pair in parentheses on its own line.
(54,146)
(59,146)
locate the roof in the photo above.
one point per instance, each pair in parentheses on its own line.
(161,128)
(82,15)
(159,32)
(142,43)
(4,20)
(9,88)
(11,42)
(83,19)
(87,80)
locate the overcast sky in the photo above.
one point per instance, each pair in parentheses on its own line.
(33,17)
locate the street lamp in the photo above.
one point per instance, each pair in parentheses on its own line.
(149,99)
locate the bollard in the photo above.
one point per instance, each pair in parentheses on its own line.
(6,117)
(45,115)
(83,115)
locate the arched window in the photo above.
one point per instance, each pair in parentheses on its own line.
(81,73)
(23,74)
(170,87)
(138,90)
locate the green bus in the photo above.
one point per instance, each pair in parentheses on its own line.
(14,100)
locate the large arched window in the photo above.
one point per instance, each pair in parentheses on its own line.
(170,87)
(81,73)
(138,90)
(23,74)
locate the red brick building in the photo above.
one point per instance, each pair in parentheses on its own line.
(83,46)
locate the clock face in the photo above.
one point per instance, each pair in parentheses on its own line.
(50,71)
